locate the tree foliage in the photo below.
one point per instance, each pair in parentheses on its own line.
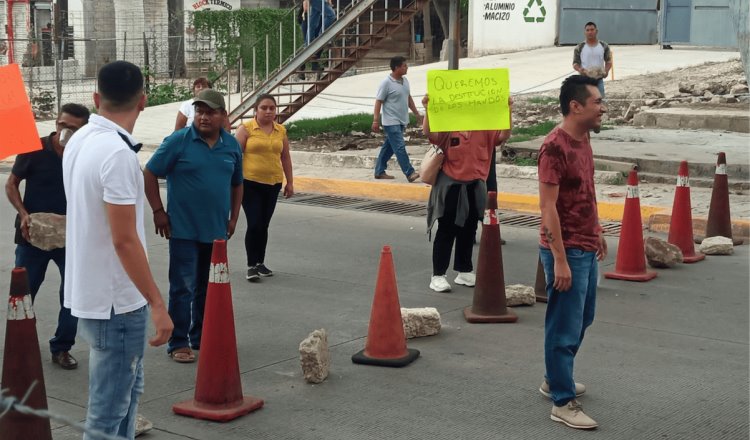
(235,33)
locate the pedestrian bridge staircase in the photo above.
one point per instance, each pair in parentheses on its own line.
(361,26)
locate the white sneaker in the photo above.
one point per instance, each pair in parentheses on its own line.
(466,279)
(439,283)
(572,415)
(544,389)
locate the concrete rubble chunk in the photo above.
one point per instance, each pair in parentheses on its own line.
(738,89)
(630,112)
(420,322)
(717,246)
(661,254)
(719,100)
(315,357)
(47,230)
(519,295)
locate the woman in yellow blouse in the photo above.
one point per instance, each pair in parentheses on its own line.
(266,163)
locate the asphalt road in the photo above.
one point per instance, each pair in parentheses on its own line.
(667,359)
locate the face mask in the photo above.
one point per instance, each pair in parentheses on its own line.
(64,136)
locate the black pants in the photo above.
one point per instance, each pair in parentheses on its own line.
(258,202)
(448,233)
(492,176)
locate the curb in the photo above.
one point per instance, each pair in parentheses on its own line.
(420,193)
(660,223)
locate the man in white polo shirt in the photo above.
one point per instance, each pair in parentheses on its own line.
(108,283)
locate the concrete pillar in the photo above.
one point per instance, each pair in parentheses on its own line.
(94,32)
(157,32)
(21,43)
(3,34)
(741,14)
(129,29)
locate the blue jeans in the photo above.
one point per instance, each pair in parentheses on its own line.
(394,144)
(36,261)
(317,9)
(189,263)
(600,86)
(568,315)
(115,371)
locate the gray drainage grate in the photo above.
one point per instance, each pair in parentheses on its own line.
(400,208)
(415,209)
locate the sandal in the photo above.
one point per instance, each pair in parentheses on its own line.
(183,355)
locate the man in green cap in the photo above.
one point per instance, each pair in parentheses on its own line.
(203,167)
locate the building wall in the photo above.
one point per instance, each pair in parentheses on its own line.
(156,27)
(497,26)
(247,4)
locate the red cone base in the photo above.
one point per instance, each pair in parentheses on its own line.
(634,277)
(361,358)
(694,259)
(217,413)
(474,318)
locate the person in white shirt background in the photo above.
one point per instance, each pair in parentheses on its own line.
(187,111)
(593,58)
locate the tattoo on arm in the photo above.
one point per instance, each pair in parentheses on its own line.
(548,234)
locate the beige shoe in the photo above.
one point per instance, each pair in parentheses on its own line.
(142,425)
(544,389)
(572,415)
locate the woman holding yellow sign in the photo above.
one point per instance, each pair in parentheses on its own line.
(458,197)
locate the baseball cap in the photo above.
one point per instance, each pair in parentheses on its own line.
(211,98)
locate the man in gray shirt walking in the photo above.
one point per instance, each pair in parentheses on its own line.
(395,100)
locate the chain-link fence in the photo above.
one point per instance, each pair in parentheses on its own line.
(59,62)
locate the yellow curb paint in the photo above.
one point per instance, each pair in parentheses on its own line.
(357,188)
(417,192)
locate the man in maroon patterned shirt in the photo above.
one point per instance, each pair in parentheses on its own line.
(571,242)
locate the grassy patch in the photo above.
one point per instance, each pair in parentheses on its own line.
(521,134)
(335,125)
(525,162)
(542,100)
(341,125)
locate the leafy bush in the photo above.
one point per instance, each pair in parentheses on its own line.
(236,32)
(166,93)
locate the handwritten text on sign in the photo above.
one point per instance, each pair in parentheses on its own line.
(18,132)
(472,99)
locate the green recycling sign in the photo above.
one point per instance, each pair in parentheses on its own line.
(538,16)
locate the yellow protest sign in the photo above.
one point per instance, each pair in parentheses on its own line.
(472,99)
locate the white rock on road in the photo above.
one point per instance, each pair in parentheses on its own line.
(519,295)
(420,322)
(717,246)
(315,357)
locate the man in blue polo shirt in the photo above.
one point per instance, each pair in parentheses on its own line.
(203,167)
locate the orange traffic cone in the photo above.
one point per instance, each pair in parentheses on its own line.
(631,257)
(719,219)
(218,389)
(540,286)
(386,341)
(681,224)
(22,365)
(489,292)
